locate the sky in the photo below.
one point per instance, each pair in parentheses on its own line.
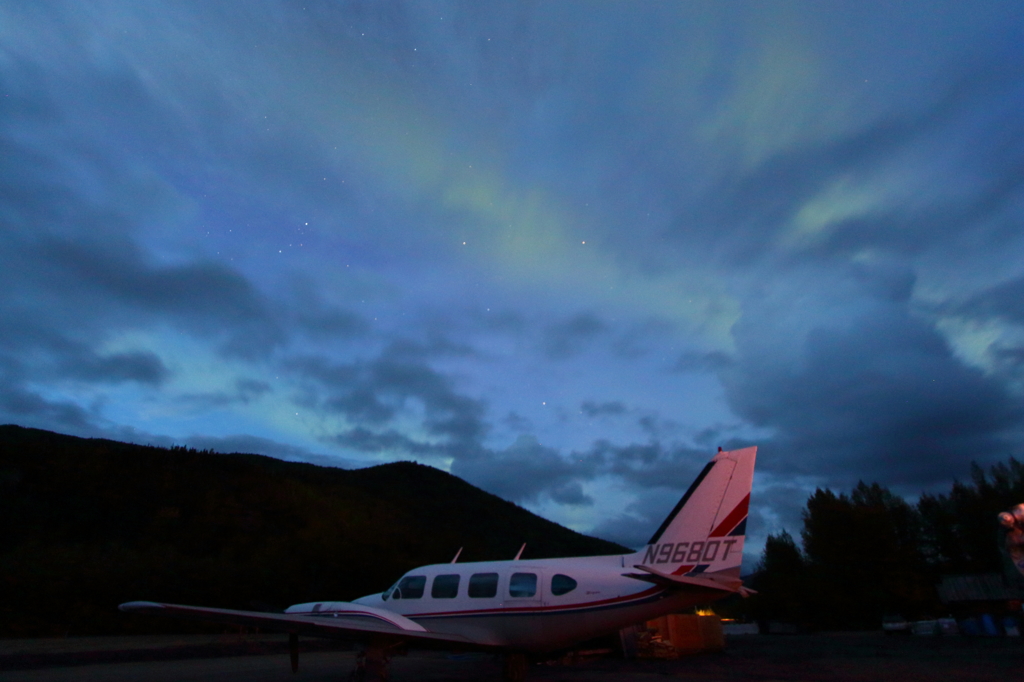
(563,250)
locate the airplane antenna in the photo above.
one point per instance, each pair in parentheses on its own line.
(520,552)
(457,555)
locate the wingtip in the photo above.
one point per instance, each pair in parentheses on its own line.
(130,606)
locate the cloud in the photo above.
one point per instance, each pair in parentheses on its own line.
(635,525)
(881,398)
(378,391)
(516,422)
(524,472)
(393,443)
(142,367)
(204,297)
(610,408)
(332,324)
(245,391)
(567,339)
(646,465)
(1004,300)
(701,362)
(28,408)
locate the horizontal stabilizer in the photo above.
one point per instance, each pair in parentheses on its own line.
(723,583)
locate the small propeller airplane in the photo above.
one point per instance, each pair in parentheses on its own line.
(533,606)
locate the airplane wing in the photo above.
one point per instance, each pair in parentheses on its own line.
(719,583)
(343,620)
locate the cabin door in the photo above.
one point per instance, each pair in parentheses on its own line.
(525,587)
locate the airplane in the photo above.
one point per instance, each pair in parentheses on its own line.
(526,607)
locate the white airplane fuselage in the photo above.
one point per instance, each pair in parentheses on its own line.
(526,605)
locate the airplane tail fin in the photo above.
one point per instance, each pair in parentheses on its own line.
(706,530)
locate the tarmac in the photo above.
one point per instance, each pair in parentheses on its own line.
(843,657)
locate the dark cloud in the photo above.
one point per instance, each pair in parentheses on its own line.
(717,436)
(27,408)
(516,422)
(610,408)
(330,324)
(204,296)
(779,506)
(640,339)
(1005,300)
(646,465)
(569,338)
(657,428)
(885,280)
(245,391)
(305,308)
(390,442)
(141,367)
(434,347)
(373,393)
(881,398)
(73,260)
(1013,356)
(570,494)
(711,361)
(112,284)
(526,471)
(638,521)
(48,351)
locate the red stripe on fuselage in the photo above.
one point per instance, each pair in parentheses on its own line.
(733,519)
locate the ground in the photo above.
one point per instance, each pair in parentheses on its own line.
(842,657)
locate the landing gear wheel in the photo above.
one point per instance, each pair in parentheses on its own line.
(371,664)
(513,668)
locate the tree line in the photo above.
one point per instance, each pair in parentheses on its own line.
(870,553)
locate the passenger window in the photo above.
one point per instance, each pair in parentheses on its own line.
(562,584)
(522,585)
(445,587)
(410,587)
(483,585)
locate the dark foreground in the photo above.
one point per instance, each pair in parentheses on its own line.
(843,657)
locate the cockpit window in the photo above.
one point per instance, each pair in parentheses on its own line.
(410,587)
(445,587)
(522,585)
(387,593)
(562,584)
(483,585)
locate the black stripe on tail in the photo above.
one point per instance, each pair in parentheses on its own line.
(693,486)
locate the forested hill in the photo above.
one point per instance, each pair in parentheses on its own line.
(88,524)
